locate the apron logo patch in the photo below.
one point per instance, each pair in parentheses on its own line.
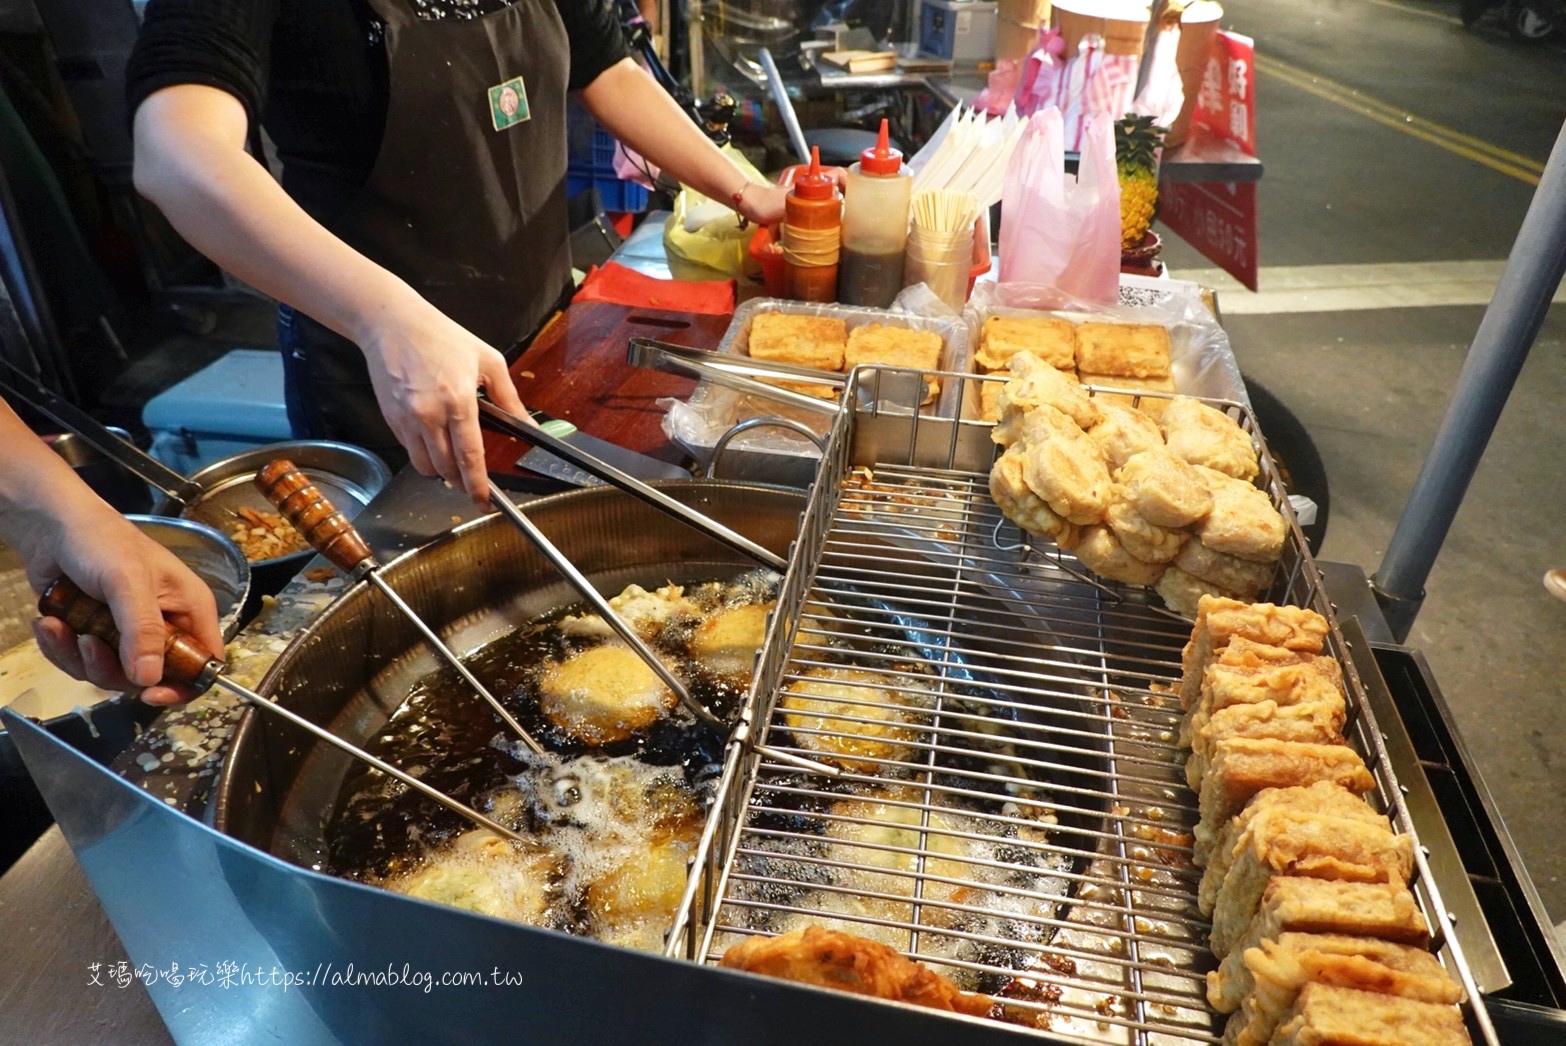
(508,104)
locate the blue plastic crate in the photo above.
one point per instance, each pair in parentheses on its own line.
(615,194)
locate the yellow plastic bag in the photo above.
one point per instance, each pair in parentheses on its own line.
(706,231)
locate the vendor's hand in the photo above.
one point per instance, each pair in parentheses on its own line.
(426,371)
(762,203)
(144,585)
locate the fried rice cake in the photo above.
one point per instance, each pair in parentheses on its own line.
(1035,383)
(848,962)
(1018,503)
(1052,339)
(1146,541)
(1124,431)
(804,341)
(1127,350)
(1064,467)
(1247,672)
(1327,1015)
(1280,968)
(1133,396)
(1205,435)
(1220,620)
(1297,904)
(1316,722)
(1290,842)
(1165,490)
(1243,522)
(1326,797)
(1102,553)
(1242,766)
(896,347)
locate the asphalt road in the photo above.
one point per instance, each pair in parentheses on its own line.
(1401,152)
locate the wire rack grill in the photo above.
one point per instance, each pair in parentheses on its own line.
(1011,809)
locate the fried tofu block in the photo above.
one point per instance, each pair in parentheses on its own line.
(1326,797)
(1164,489)
(1243,522)
(1152,406)
(1315,722)
(1146,541)
(1244,576)
(1101,552)
(1220,620)
(1129,350)
(1314,845)
(1051,338)
(804,341)
(1064,467)
(1124,431)
(1183,593)
(1281,968)
(1035,383)
(1242,766)
(1327,1015)
(1205,435)
(1316,906)
(896,347)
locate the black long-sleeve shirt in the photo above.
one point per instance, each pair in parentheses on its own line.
(315,73)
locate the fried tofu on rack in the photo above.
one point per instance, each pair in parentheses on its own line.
(1327,1015)
(1297,904)
(1052,339)
(833,959)
(1205,435)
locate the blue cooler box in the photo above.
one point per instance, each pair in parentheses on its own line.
(960,30)
(227,407)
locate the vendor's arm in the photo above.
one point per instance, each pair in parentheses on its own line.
(191,161)
(61,528)
(632,107)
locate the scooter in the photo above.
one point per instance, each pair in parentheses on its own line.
(1527,20)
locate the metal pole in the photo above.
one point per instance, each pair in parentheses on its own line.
(1506,333)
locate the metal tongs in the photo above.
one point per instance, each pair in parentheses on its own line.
(185,662)
(510,425)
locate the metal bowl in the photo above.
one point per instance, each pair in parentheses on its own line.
(349,476)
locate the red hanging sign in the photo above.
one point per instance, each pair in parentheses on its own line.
(1219,218)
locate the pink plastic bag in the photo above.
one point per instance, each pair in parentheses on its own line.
(1000,89)
(1058,231)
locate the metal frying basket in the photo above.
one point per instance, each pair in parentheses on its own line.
(1026,829)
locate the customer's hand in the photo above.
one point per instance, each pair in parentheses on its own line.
(426,371)
(144,585)
(762,203)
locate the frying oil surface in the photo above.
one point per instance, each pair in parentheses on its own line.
(613,814)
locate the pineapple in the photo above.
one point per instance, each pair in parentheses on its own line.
(1137,140)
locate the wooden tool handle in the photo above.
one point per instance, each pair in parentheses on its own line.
(185,661)
(327,529)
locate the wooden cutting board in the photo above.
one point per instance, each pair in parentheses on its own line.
(575,369)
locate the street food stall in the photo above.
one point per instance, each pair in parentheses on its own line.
(974,680)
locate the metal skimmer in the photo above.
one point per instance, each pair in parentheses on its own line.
(1026,829)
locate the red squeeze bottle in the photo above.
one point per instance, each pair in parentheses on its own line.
(812,234)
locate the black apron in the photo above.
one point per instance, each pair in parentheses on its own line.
(466,201)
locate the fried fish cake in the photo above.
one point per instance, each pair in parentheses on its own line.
(1243,522)
(849,717)
(1146,541)
(1128,350)
(896,347)
(1245,577)
(804,341)
(1064,467)
(1205,435)
(1164,489)
(1019,504)
(1124,431)
(604,694)
(726,642)
(1182,592)
(1035,383)
(1052,339)
(1101,552)
(482,872)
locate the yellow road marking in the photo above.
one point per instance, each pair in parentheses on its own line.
(1515,165)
